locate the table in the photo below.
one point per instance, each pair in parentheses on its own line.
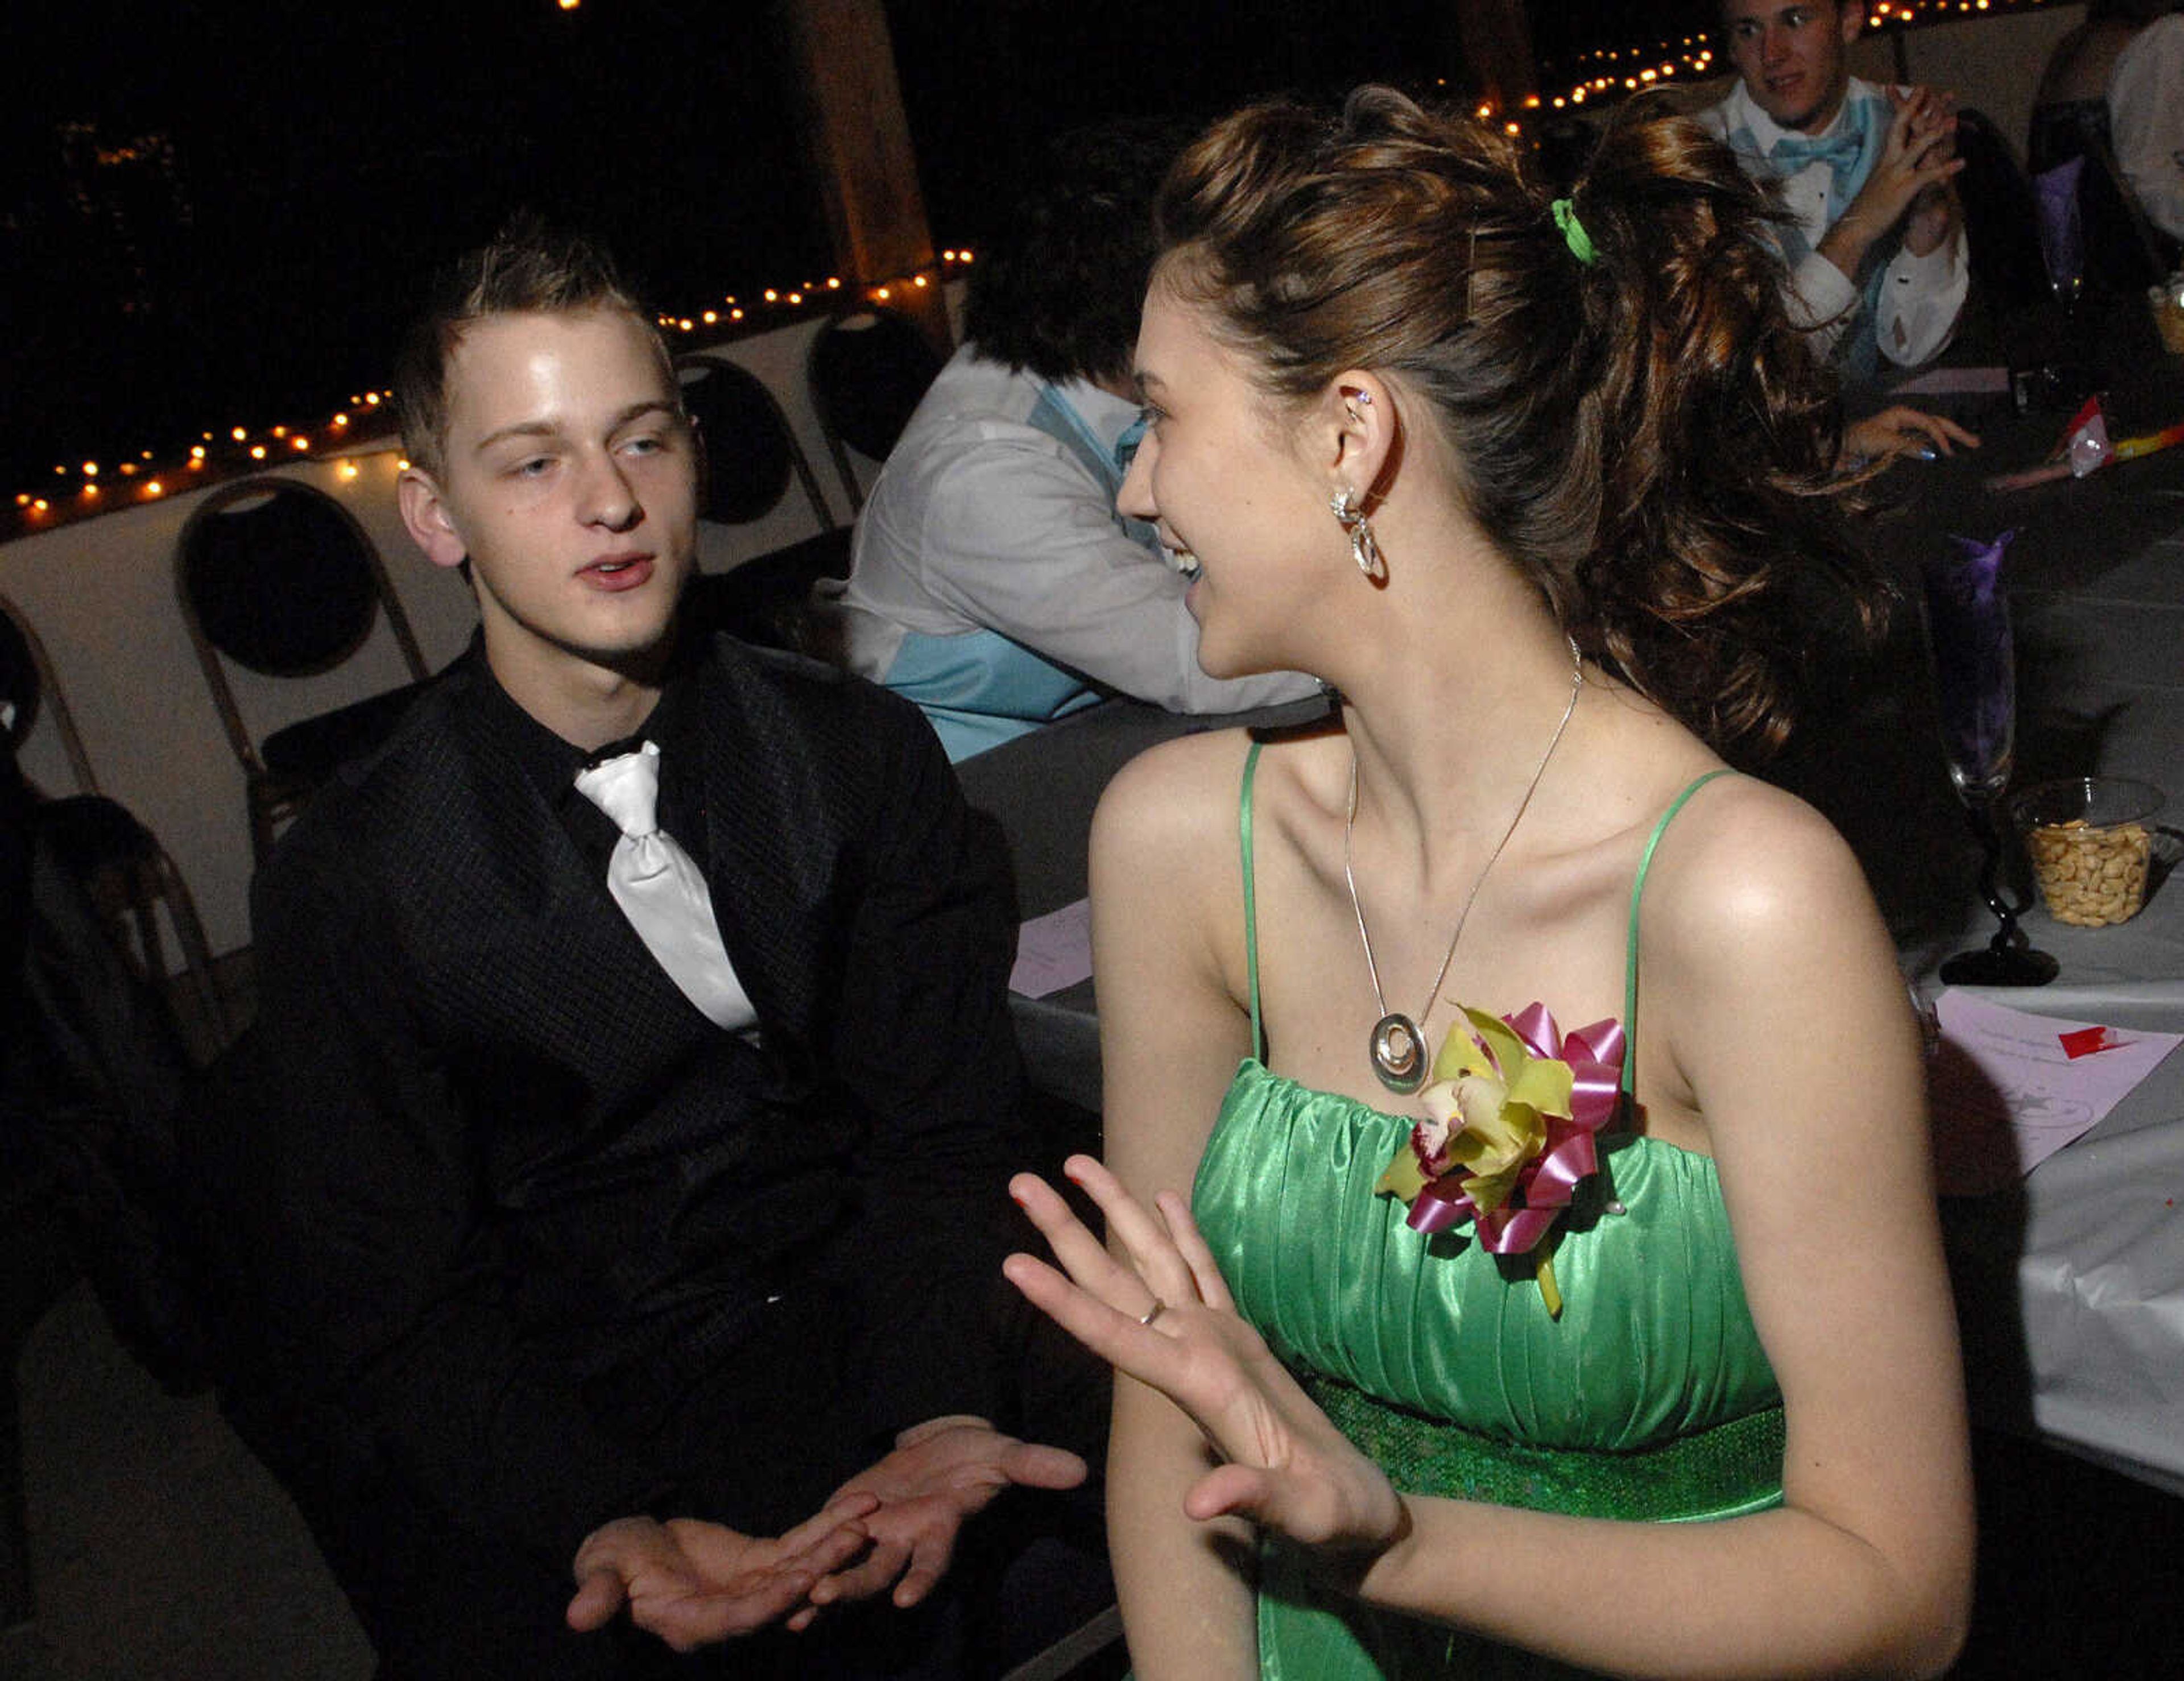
(2070,1287)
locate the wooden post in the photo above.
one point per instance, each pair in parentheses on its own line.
(1497,45)
(857,138)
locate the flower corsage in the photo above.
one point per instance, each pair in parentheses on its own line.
(1511,1115)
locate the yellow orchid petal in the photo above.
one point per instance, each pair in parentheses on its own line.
(1499,1038)
(1546,1084)
(1478,1100)
(1491,1139)
(1550,1293)
(1508,1138)
(1461,1055)
(1403,1178)
(1442,1105)
(1491,1190)
(1486,1158)
(1497,1154)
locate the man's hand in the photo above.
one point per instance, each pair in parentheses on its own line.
(936,1476)
(1911,178)
(693,1583)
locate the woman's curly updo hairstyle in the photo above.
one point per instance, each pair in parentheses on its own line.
(1646,435)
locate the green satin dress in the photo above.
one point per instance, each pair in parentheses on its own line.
(1650,1398)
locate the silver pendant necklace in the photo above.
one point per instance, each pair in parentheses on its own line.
(1398,1047)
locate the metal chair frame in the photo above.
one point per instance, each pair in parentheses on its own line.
(273,798)
(126,888)
(893,329)
(764,599)
(702,363)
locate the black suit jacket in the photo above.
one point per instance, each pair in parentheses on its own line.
(508,1207)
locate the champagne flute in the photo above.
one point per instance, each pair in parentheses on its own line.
(2062,234)
(1972,660)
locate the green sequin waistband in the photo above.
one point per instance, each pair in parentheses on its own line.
(1722,1471)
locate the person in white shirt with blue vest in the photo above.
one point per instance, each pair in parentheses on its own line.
(1876,238)
(992,580)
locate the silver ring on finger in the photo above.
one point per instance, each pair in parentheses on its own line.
(1153,1312)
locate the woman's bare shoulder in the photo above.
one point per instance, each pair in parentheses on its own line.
(1749,877)
(1180,792)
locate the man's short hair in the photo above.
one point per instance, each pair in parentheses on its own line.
(1059,289)
(528,268)
(1721,7)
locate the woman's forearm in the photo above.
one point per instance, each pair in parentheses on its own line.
(1779,1594)
(1188,1606)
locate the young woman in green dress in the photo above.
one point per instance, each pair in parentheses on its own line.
(1564,1287)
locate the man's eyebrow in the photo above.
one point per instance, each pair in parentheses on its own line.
(520,429)
(1144,379)
(650,405)
(553,429)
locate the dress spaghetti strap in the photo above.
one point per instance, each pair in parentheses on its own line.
(1630,946)
(1250,904)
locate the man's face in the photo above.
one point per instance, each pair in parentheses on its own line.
(1794,56)
(570,482)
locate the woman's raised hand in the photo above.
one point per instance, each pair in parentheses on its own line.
(1165,1317)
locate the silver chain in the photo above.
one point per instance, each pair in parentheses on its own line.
(1350,825)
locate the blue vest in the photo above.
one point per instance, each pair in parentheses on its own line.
(979,689)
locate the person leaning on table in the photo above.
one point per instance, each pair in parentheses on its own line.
(992,582)
(1874,239)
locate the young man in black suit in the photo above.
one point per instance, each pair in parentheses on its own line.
(537,1240)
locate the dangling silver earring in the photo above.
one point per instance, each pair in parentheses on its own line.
(1362,548)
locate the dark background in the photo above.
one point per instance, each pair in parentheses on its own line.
(216,212)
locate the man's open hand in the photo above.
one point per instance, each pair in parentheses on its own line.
(693,1583)
(938,1476)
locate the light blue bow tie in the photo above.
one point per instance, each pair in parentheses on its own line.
(1849,152)
(1794,153)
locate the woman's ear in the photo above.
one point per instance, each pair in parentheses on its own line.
(1356,430)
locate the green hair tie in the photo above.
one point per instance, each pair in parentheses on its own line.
(1579,242)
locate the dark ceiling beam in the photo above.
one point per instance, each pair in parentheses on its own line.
(856,136)
(1497,46)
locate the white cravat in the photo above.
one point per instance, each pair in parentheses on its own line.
(660,889)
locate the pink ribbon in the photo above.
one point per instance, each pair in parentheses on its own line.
(1546,1183)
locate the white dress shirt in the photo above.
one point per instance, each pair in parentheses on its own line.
(982,521)
(1919,298)
(2146,116)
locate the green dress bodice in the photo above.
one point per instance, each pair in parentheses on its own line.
(1649,1398)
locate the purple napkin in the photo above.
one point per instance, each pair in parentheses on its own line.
(2062,243)
(1974,680)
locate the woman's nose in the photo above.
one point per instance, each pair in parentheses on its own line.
(1134,498)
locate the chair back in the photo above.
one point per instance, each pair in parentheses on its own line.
(27,682)
(2124,252)
(279,577)
(121,863)
(2001,225)
(97,1068)
(751,454)
(867,372)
